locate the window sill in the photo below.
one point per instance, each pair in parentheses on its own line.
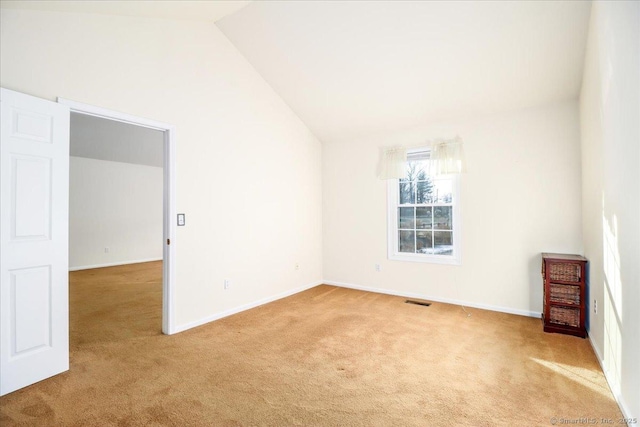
(426,259)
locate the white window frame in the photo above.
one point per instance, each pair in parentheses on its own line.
(392,224)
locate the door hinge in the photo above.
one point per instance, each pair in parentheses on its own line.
(168,241)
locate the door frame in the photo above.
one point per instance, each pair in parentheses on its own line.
(169,198)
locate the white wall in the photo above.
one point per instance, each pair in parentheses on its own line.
(248,170)
(610,126)
(520,197)
(117,206)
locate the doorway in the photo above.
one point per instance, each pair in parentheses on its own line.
(168,197)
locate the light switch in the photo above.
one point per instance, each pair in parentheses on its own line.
(181,220)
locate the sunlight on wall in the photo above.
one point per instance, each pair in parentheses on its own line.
(612,304)
(589,378)
(611,262)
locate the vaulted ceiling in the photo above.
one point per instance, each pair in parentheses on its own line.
(354,68)
(189,10)
(350,69)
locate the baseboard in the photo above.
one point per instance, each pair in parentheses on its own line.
(113,264)
(626,413)
(235,310)
(436,299)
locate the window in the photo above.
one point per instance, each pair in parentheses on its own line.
(424,214)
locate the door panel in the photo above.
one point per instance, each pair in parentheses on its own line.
(31,198)
(34,233)
(30,309)
(31,126)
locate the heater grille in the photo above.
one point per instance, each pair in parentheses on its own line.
(410,301)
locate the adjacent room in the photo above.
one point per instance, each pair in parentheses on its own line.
(115,229)
(377,213)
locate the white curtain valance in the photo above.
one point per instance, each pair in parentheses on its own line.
(447,157)
(392,162)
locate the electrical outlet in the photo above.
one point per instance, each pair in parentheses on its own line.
(106,250)
(595,306)
(378,268)
(227,283)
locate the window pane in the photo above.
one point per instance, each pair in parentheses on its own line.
(406,242)
(442,217)
(406,192)
(423,242)
(416,170)
(443,242)
(423,217)
(405,218)
(424,211)
(442,191)
(424,191)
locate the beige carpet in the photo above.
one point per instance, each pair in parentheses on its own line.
(324,357)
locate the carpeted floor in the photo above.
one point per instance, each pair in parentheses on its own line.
(324,357)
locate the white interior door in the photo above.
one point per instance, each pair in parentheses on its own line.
(34,223)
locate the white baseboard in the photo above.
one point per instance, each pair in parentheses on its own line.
(112,264)
(626,413)
(436,299)
(235,310)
